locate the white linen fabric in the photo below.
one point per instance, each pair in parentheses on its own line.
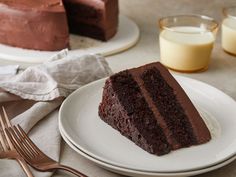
(9,69)
(32,99)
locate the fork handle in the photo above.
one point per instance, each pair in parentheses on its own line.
(71,170)
(25,167)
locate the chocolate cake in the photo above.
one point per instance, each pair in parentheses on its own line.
(43,24)
(34,24)
(148,106)
(93,18)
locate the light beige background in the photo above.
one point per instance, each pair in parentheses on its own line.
(221,73)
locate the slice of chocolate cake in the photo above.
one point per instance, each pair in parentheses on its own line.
(149,107)
(93,18)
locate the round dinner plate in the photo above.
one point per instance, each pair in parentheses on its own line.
(135,173)
(127,35)
(79,120)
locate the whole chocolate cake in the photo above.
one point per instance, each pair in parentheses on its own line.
(45,24)
(149,107)
(34,24)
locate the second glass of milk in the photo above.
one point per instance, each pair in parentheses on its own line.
(229,30)
(186,42)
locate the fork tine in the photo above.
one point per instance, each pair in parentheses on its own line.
(11,152)
(36,149)
(17,143)
(6,117)
(23,143)
(2,152)
(23,136)
(2,136)
(5,122)
(1,146)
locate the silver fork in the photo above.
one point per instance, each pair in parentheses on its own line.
(32,154)
(7,150)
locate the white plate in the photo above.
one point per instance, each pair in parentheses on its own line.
(126,37)
(130,172)
(81,124)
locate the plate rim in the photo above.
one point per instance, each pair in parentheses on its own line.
(102,159)
(122,169)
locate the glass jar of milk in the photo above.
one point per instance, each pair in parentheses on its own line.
(229,30)
(186,42)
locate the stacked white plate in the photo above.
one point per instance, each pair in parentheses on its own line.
(87,134)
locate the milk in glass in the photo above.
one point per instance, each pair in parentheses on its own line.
(186,48)
(229,35)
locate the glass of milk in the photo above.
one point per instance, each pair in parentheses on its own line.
(186,42)
(229,30)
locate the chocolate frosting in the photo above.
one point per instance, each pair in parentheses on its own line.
(93,16)
(39,5)
(40,25)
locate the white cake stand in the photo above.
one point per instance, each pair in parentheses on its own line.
(126,37)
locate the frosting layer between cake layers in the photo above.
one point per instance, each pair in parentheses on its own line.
(150,108)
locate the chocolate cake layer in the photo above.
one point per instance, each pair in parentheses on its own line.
(40,25)
(200,129)
(94,18)
(148,106)
(169,108)
(134,119)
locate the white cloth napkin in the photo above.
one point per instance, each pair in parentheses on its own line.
(9,69)
(32,97)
